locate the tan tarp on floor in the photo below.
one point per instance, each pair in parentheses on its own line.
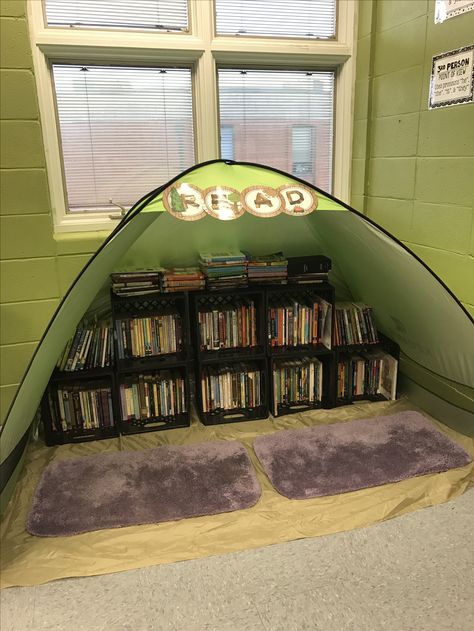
(28,560)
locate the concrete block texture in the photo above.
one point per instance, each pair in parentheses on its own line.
(26,236)
(13,8)
(24,191)
(18,95)
(15,49)
(22,145)
(25,321)
(30,279)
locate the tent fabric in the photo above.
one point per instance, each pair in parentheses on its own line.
(411,304)
(28,560)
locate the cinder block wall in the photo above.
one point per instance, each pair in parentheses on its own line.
(413,167)
(35,268)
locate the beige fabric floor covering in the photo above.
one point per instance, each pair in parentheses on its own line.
(29,560)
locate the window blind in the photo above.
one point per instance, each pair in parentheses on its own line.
(124,131)
(167,15)
(281,118)
(278,18)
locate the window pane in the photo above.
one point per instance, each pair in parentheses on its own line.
(167,15)
(281,118)
(124,131)
(281,18)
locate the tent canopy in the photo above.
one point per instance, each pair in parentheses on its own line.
(411,305)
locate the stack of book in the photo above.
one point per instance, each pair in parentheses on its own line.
(354,324)
(149,336)
(91,347)
(308,269)
(182,279)
(224,270)
(271,268)
(136,283)
(231,387)
(297,381)
(233,327)
(82,407)
(153,396)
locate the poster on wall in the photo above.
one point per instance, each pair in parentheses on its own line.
(452,78)
(446,9)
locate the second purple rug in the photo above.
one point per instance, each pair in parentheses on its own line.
(333,459)
(142,487)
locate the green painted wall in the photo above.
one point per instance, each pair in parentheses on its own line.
(413,167)
(35,268)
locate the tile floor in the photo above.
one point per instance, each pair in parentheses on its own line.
(414,572)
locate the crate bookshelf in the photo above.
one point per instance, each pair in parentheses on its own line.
(225,349)
(296,336)
(232,391)
(154,399)
(79,407)
(228,333)
(153,351)
(347,391)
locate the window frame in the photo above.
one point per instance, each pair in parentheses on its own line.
(202,51)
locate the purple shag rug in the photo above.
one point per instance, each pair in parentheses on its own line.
(142,487)
(333,459)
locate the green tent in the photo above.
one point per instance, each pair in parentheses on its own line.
(411,304)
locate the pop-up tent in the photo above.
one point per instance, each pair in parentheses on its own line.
(273,211)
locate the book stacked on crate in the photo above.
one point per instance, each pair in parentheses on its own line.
(231,387)
(354,324)
(81,407)
(297,381)
(368,374)
(299,322)
(155,396)
(224,270)
(228,327)
(91,347)
(149,336)
(308,269)
(268,269)
(182,279)
(136,283)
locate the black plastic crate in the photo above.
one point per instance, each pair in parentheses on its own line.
(225,300)
(345,353)
(51,411)
(154,422)
(302,293)
(293,407)
(149,305)
(236,414)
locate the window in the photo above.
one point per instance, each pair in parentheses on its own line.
(160,15)
(132,93)
(298,18)
(123,129)
(264,106)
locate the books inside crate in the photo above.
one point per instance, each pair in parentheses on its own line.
(354,324)
(154,400)
(91,347)
(297,384)
(150,326)
(234,326)
(231,392)
(300,321)
(78,411)
(366,375)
